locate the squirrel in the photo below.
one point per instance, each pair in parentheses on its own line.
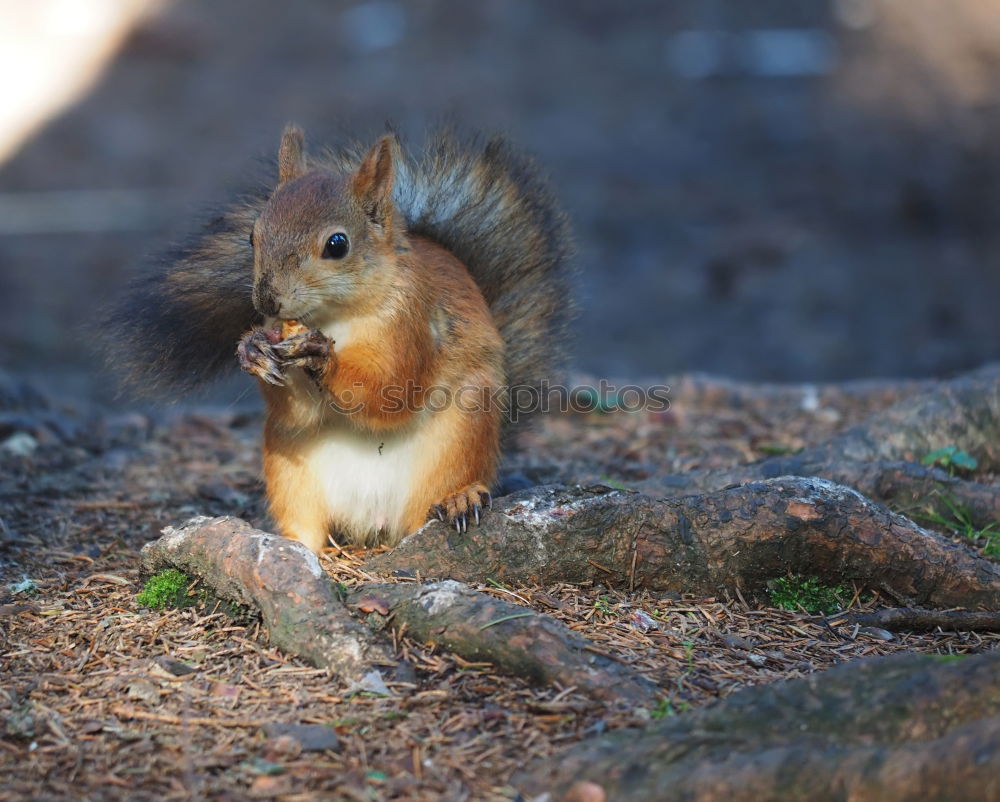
(387,305)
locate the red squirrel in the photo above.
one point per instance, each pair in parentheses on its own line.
(386,305)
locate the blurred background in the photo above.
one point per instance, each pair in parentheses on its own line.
(766,190)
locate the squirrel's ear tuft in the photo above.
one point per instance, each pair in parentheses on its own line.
(372,183)
(291,156)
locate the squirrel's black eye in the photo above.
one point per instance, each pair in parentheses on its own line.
(251,237)
(336,247)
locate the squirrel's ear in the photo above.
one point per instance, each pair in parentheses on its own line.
(372,183)
(291,158)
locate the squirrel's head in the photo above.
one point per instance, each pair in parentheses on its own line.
(324,239)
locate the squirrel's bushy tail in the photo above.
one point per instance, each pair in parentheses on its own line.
(491,206)
(178,324)
(482,200)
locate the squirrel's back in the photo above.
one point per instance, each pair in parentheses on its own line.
(483,201)
(492,208)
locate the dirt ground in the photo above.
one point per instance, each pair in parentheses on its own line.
(102,699)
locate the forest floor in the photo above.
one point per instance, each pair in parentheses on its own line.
(101,698)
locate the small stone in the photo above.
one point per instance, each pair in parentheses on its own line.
(309,737)
(371,682)
(736,642)
(174,667)
(643,621)
(26,585)
(20,444)
(145,690)
(877,633)
(756,660)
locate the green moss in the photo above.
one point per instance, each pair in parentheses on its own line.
(613,483)
(947,658)
(665,708)
(959,521)
(807,593)
(603,605)
(168,589)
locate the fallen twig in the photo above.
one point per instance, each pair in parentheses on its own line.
(910,619)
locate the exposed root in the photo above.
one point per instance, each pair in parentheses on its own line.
(879,730)
(306,615)
(734,539)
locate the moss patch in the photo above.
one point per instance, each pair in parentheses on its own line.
(168,589)
(808,594)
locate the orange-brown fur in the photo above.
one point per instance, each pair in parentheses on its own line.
(416,320)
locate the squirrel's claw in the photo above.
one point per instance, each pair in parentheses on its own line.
(310,350)
(272,376)
(457,508)
(261,356)
(256,356)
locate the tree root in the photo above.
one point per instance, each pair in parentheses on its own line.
(909,619)
(733,539)
(514,639)
(881,457)
(905,727)
(307,616)
(278,577)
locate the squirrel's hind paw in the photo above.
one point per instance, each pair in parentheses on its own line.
(458,507)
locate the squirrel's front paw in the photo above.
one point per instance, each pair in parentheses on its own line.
(311,350)
(456,508)
(257,356)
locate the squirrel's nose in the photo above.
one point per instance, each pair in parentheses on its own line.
(263,298)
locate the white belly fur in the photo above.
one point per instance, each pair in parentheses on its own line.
(366,491)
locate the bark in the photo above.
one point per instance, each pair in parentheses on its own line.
(279,577)
(307,616)
(917,489)
(880,458)
(907,727)
(514,639)
(738,538)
